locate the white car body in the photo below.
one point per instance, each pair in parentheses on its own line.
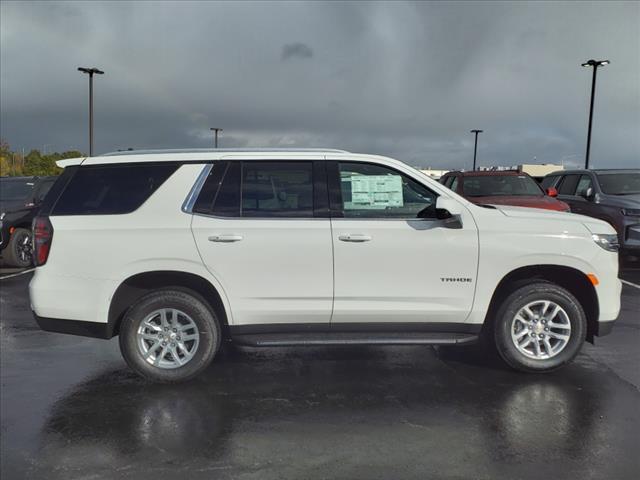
(298,271)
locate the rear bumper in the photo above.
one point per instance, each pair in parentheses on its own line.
(74,298)
(75,327)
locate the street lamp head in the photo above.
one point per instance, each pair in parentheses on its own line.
(90,71)
(596,63)
(477,131)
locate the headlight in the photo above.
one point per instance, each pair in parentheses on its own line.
(608,241)
(631,212)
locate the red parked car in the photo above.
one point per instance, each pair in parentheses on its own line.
(506,187)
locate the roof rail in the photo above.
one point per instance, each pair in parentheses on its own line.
(216,150)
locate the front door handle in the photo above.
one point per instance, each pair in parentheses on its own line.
(225,238)
(354,237)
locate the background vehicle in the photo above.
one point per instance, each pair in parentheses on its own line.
(610,195)
(176,251)
(503,187)
(20,199)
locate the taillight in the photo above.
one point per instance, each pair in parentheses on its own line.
(42,238)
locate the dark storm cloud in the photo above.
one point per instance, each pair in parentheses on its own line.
(296,50)
(402,79)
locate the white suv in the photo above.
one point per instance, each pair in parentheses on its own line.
(175,251)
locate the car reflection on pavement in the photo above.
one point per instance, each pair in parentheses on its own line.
(283,412)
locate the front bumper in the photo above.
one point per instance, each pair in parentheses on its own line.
(631,240)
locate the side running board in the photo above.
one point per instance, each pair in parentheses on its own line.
(353,338)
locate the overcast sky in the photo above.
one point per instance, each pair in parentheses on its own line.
(407,80)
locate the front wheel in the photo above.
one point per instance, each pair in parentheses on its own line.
(169,336)
(539,327)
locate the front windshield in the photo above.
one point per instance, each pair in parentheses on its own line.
(495,185)
(14,189)
(619,183)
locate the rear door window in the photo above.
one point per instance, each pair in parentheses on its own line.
(111,189)
(227,201)
(259,189)
(210,188)
(277,189)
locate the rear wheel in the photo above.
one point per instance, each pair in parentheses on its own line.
(169,336)
(539,327)
(19,251)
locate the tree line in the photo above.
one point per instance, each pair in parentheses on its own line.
(34,163)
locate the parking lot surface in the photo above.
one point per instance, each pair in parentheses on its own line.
(71,409)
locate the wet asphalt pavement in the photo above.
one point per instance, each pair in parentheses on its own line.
(70,408)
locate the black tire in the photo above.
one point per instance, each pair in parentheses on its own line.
(15,254)
(538,291)
(190,304)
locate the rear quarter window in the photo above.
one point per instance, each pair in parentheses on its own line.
(111,189)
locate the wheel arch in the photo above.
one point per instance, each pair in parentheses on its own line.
(136,286)
(572,279)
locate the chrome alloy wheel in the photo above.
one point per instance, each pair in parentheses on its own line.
(24,248)
(168,338)
(541,330)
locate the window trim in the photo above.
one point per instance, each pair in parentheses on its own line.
(335,193)
(196,188)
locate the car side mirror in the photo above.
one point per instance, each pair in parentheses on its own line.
(589,194)
(552,192)
(448,211)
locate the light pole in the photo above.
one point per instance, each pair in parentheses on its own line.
(91,72)
(595,64)
(475,148)
(215,135)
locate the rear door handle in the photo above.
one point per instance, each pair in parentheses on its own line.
(225,238)
(354,237)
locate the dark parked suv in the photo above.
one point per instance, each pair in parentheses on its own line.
(611,195)
(20,199)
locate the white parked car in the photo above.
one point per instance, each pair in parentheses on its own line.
(175,251)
